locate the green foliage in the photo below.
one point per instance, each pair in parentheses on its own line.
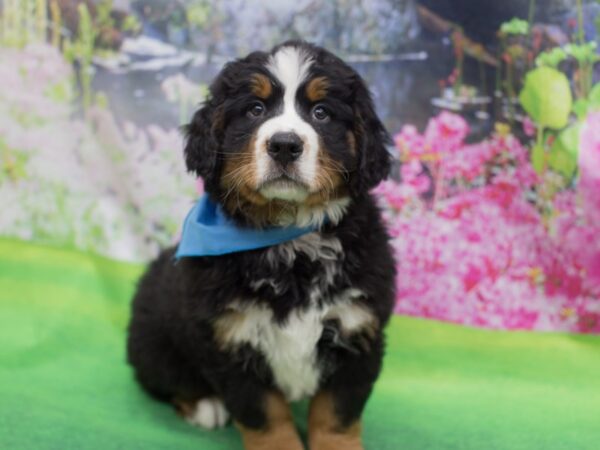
(105,24)
(41,19)
(55,14)
(551,58)
(12,163)
(101,100)
(25,117)
(198,13)
(580,108)
(562,157)
(87,34)
(583,106)
(515,26)
(131,24)
(103,18)
(82,51)
(594,98)
(61,92)
(23,22)
(583,53)
(546,97)
(538,158)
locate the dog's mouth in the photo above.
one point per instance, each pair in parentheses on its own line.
(284,186)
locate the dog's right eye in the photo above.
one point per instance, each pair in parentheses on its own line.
(256,109)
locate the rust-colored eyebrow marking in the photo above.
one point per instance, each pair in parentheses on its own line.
(261,85)
(316,89)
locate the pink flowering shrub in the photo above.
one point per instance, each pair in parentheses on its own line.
(589,166)
(479,242)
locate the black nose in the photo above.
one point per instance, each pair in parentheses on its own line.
(285,147)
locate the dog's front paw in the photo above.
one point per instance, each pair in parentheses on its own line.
(335,441)
(207,413)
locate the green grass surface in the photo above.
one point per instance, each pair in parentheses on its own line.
(64,383)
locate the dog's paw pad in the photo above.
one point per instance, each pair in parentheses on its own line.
(208,413)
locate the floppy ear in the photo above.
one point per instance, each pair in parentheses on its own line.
(203,143)
(371,139)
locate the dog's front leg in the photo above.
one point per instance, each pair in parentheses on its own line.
(264,419)
(328,427)
(336,410)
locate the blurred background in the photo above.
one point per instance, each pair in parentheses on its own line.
(494,204)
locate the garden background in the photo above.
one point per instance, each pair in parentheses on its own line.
(494,204)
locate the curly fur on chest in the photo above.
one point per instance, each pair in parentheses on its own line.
(325,303)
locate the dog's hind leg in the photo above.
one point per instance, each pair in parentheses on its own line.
(207,412)
(168,376)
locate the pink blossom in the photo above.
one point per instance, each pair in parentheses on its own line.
(394,196)
(473,276)
(446,132)
(413,176)
(409,141)
(489,252)
(589,165)
(528,127)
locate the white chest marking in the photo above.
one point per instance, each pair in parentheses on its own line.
(290,349)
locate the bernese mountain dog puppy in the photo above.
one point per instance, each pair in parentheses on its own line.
(286,138)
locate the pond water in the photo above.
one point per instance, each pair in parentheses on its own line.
(402,88)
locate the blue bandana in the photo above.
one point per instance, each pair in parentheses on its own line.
(208,232)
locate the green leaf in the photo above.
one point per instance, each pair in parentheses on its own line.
(61,92)
(583,52)
(546,97)
(594,98)
(551,58)
(563,154)
(537,158)
(515,26)
(580,108)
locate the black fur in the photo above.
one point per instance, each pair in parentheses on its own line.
(171,341)
(350,102)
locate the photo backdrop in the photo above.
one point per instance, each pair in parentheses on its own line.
(494,204)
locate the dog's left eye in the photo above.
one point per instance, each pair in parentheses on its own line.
(256,109)
(320,113)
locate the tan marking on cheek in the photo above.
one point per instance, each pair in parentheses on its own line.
(238,180)
(239,169)
(279,433)
(316,89)
(261,86)
(325,431)
(329,179)
(253,196)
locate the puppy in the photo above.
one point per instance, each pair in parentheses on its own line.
(286,139)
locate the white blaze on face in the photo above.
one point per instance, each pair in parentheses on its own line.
(290,66)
